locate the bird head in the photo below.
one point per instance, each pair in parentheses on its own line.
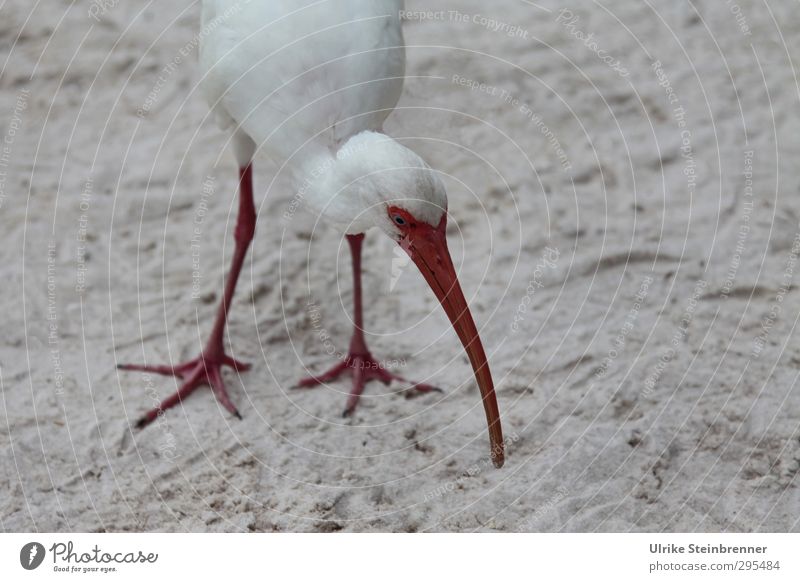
(373,172)
(393,189)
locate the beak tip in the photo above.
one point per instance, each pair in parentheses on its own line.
(498,459)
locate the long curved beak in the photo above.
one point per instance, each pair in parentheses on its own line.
(427,247)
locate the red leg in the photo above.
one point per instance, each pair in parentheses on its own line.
(359,362)
(206,369)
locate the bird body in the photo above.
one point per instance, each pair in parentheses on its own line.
(311,83)
(302,76)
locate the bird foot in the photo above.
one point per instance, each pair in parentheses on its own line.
(201,371)
(363,368)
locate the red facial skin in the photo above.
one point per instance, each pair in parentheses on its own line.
(427,247)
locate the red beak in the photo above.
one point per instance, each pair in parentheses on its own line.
(427,247)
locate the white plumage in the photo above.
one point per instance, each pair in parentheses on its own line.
(289,71)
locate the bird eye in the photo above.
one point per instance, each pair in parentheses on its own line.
(399,220)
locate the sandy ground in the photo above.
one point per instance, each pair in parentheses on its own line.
(628,208)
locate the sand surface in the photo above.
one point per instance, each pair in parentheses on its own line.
(625,211)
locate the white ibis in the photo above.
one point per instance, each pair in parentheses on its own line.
(310,83)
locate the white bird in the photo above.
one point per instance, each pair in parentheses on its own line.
(309,83)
